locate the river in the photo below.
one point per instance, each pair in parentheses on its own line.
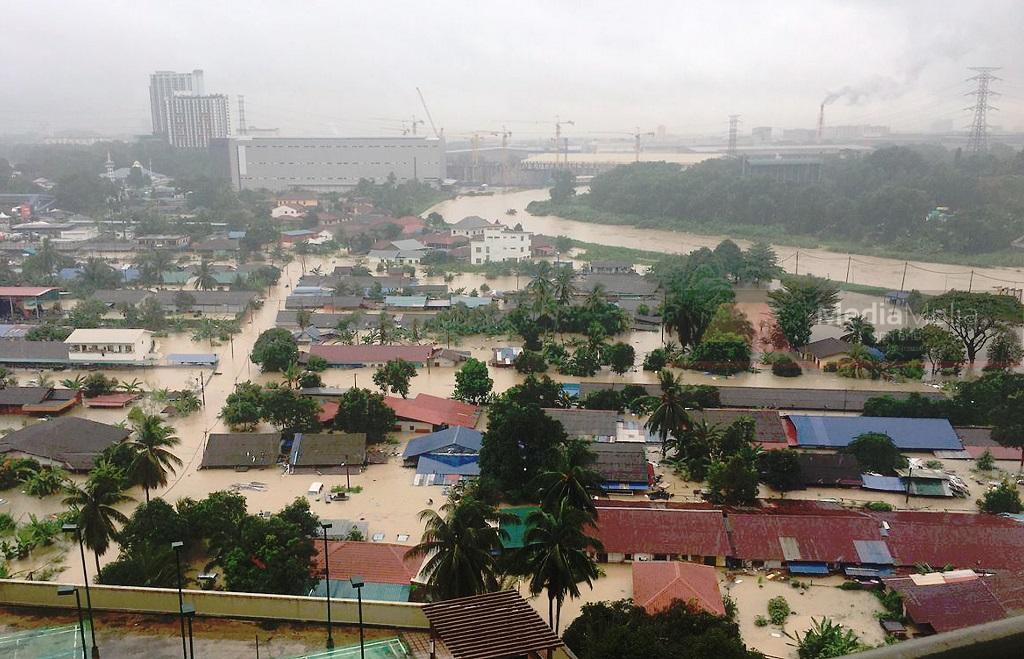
(866,270)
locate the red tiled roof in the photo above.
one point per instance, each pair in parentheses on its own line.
(820,538)
(657,583)
(435,410)
(964,540)
(341,354)
(668,530)
(950,606)
(376,562)
(328,410)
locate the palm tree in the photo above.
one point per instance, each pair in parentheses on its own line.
(596,297)
(563,287)
(153,264)
(460,547)
(152,443)
(94,506)
(859,362)
(133,387)
(858,330)
(669,416)
(556,557)
(41,380)
(96,274)
(571,480)
(205,280)
(291,375)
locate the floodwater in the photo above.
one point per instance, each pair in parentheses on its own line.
(867,270)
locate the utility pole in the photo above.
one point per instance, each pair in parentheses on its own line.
(734,122)
(636,136)
(796,268)
(977,141)
(849,262)
(558,138)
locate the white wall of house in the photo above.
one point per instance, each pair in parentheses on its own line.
(500,245)
(128,346)
(286,211)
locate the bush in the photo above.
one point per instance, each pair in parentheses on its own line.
(786,367)
(831,367)
(851,585)
(1003,498)
(529,361)
(761,621)
(778,610)
(986,461)
(878,506)
(656,360)
(720,353)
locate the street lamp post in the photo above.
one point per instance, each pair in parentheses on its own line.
(73,528)
(358,583)
(327,584)
(176,546)
(190,613)
(68,590)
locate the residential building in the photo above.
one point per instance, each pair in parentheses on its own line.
(192,121)
(161,241)
(622,466)
(498,244)
(241,450)
(323,164)
(333,453)
(34,354)
(610,268)
(656,584)
(163,85)
(836,432)
(472,226)
(300,198)
(111,346)
(769,431)
(45,401)
(455,440)
(387,572)
(68,442)
(287,210)
(426,413)
(826,351)
(591,425)
(369,356)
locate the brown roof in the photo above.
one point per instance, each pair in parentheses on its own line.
(492,626)
(24,395)
(328,449)
(376,562)
(435,410)
(646,529)
(624,462)
(341,354)
(950,606)
(827,348)
(73,441)
(657,583)
(832,469)
(248,449)
(768,426)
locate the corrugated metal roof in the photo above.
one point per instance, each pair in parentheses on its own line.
(971,540)
(454,465)
(491,626)
(648,530)
(873,551)
(907,434)
(882,483)
(465,438)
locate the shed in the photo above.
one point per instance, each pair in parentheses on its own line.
(324,451)
(594,425)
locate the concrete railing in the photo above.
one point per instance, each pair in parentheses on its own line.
(1000,638)
(218,604)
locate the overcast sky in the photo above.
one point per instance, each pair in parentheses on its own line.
(339,68)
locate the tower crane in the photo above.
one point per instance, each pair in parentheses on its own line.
(558,137)
(437,134)
(411,126)
(636,136)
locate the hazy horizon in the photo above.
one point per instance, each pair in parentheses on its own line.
(321,68)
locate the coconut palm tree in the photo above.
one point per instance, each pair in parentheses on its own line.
(563,287)
(205,280)
(94,506)
(460,546)
(152,443)
(860,363)
(571,480)
(291,375)
(556,556)
(669,416)
(858,330)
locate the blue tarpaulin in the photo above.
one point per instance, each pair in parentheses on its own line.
(808,568)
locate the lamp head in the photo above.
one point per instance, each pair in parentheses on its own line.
(357,582)
(177,544)
(66,590)
(326,525)
(69,528)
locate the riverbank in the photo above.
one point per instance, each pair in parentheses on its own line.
(773,234)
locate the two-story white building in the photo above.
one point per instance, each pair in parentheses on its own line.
(472,226)
(500,244)
(111,346)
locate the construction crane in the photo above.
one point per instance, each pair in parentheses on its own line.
(636,136)
(415,121)
(558,137)
(433,127)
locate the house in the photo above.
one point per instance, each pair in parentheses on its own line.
(494,626)
(542,246)
(327,302)
(829,470)
(443,241)
(978,439)
(820,431)
(446,469)
(499,245)
(241,450)
(45,401)
(644,531)
(68,442)
(591,425)
(207,302)
(505,357)
(111,346)
(656,584)
(410,302)
(296,236)
(622,466)
(217,247)
(297,198)
(826,351)
(27,301)
(332,453)
(472,226)
(163,241)
(769,431)
(386,571)
(940,602)
(34,354)
(287,211)
(610,268)
(369,356)
(426,413)
(119,297)
(455,440)
(617,286)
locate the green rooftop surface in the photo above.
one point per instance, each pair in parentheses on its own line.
(389,648)
(516,530)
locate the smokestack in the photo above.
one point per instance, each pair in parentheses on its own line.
(821,121)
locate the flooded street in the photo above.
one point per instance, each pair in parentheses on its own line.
(866,270)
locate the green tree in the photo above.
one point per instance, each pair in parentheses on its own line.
(555,555)
(780,469)
(316,364)
(395,376)
(602,399)
(735,480)
(974,318)
(97,384)
(529,361)
(876,452)
(274,350)
(720,353)
(826,639)
(152,315)
(87,314)
(691,301)
(1004,352)
(205,279)
(288,411)
(1003,498)
(243,408)
(472,382)
(571,478)
(273,555)
(362,410)
(729,319)
(184,301)
(152,444)
(760,264)
(1008,424)
(800,303)
(669,415)
(94,507)
(460,546)
(858,329)
(564,188)
(620,357)
(97,274)
(520,442)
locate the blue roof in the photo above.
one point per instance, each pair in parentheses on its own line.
(808,568)
(200,358)
(449,465)
(876,353)
(907,434)
(449,437)
(883,483)
(236,235)
(68,274)
(470,301)
(298,232)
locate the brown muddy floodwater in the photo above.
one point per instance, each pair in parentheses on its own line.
(867,270)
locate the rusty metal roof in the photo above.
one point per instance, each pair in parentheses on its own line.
(491,626)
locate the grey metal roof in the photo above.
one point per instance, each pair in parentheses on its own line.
(907,434)
(328,449)
(241,449)
(23,395)
(586,423)
(621,461)
(121,296)
(33,352)
(71,440)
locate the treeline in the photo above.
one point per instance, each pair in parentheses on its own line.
(884,197)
